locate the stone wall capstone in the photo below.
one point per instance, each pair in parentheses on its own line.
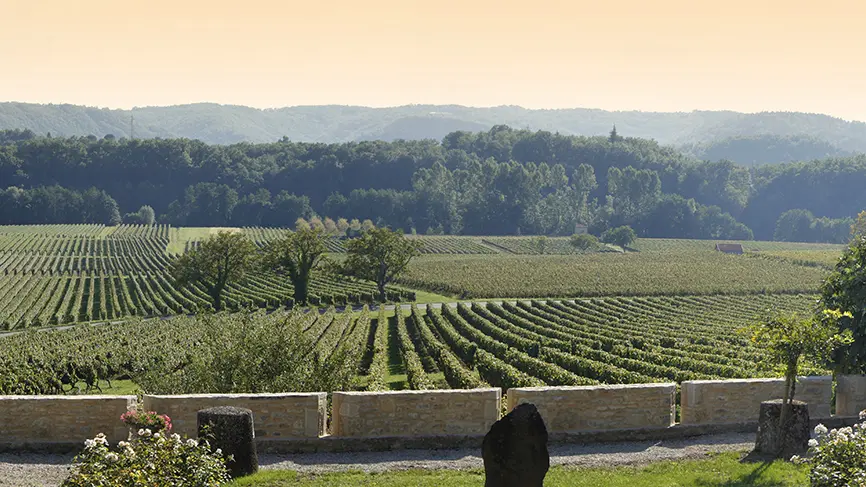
(414,413)
(598,408)
(276,416)
(739,400)
(62,419)
(850,394)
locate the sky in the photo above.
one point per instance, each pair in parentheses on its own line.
(651,55)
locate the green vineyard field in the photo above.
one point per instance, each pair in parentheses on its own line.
(60,274)
(587,341)
(609,274)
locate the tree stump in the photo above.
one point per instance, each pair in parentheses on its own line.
(231,429)
(515,450)
(783,441)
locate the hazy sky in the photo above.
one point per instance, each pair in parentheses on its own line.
(661,55)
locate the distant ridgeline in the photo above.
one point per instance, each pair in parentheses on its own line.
(499,182)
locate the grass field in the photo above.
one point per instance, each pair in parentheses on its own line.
(608,274)
(724,470)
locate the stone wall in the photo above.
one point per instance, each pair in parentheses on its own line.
(599,408)
(416,417)
(62,419)
(275,416)
(414,413)
(850,394)
(736,401)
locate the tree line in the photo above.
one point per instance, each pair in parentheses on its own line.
(377,254)
(500,182)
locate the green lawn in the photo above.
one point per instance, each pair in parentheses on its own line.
(724,470)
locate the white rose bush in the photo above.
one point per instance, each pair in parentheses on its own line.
(153,459)
(838,456)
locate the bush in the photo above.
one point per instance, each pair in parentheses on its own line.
(584,241)
(139,419)
(254,353)
(839,456)
(153,460)
(622,236)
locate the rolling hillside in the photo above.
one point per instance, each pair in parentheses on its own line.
(708,134)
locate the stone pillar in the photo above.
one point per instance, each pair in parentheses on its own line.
(850,395)
(783,441)
(231,430)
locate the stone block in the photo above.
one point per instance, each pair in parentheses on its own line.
(850,394)
(414,413)
(739,400)
(599,408)
(277,416)
(60,419)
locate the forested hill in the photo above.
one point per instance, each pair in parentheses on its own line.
(498,182)
(224,124)
(753,150)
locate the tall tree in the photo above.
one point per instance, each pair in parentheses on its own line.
(614,136)
(379,255)
(298,255)
(219,261)
(844,290)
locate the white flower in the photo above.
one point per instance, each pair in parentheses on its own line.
(122,444)
(175,437)
(862,415)
(820,429)
(191,442)
(144,432)
(813,443)
(128,451)
(100,438)
(846,431)
(89,444)
(112,457)
(219,451)
(157,435)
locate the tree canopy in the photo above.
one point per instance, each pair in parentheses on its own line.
(218,261)
(499,182)
(379,255)
(298,254)
(844,290)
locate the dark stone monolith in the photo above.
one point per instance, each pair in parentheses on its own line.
(515,450)
(783,441)
(231,429)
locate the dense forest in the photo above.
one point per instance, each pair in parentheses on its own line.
(753,150)
(744,138)
(498,182)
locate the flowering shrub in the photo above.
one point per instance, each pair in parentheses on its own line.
(838,456)
(153,460)
(146,420)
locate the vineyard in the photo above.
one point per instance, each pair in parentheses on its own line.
(588,341)
(608,274)
(59,274)
(669,245)
(536,246)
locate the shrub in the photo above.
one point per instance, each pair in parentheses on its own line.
(146,420)
(839,456)
(584,241)
(253,353)
(622,236)
(153,460)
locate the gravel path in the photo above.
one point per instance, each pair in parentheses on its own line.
(48,470)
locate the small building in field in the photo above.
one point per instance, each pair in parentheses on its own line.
(730,248)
